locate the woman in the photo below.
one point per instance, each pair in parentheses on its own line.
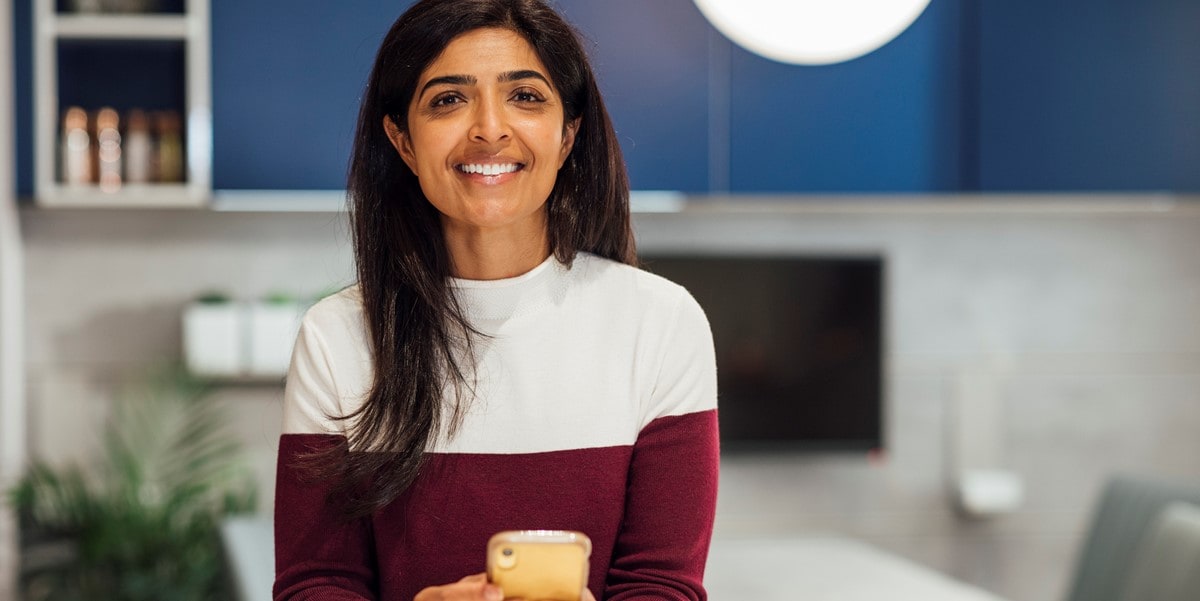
(500,364)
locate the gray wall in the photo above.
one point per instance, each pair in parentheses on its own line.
(1078,317)
(12,381)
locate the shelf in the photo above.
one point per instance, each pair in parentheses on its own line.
(279,201)
(137,27)
(334,201)
(180,196)
(153,61)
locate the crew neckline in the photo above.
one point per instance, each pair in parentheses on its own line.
(505,282)
(509,298)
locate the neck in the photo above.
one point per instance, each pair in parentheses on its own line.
(495,254)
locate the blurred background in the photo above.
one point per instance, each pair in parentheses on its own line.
(1022,178)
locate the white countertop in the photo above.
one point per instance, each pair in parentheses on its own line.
(824,569)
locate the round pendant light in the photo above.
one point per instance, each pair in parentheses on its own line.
(811,32)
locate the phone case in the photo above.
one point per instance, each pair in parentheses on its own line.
(539,564)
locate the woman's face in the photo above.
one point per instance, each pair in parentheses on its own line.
(485,134)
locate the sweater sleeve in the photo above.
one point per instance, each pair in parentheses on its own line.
(672,488)
(319,556)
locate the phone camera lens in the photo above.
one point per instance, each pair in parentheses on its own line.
(507,552)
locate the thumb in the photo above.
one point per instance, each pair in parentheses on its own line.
(479,578)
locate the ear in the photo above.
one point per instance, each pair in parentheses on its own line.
(400,142)
(568,141)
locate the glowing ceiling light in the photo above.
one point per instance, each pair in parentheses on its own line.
(811,32)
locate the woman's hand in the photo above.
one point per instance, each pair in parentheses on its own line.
(471,588)
(587,596)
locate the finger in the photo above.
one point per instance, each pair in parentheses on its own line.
(471,588)
(479,585)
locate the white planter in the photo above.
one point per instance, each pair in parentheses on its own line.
(271,332)
(212,339)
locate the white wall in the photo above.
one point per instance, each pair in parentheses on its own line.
(1081,316)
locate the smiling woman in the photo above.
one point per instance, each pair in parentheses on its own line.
(486,136)
(500,364)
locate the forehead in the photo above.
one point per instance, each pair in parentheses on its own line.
(485,51)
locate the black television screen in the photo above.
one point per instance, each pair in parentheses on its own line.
(799,343)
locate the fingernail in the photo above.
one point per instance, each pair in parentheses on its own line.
(493,593)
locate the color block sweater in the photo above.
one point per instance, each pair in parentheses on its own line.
(594,410)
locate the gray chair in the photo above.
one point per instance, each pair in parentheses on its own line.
(1167,567)
(1125,516)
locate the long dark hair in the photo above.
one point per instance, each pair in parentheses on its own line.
(417,330)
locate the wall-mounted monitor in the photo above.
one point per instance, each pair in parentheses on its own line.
(799,343)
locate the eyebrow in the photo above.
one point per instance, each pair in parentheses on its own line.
(470,80)
(452,80)
(510,76)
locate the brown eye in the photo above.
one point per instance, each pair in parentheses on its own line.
(446,100)
(527,96)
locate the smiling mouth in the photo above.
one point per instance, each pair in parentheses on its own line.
(489,168)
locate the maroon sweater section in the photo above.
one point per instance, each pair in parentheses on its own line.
(648,509)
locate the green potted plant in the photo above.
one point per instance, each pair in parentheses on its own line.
(141,522)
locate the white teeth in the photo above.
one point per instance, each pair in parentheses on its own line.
(495,169)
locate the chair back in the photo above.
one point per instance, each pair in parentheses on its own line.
(1167,567)
(1126,514)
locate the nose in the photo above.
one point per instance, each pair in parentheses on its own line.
(490,121)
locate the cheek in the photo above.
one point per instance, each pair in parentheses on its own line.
(540,134)
(429,146)
(550,144)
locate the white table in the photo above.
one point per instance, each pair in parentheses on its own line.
(824,569)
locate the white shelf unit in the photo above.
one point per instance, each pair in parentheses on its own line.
(191,29)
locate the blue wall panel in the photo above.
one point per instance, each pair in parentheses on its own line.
(652,62)
(287,77)
(994,95)
(23,78)
(1090,95)
(885,122)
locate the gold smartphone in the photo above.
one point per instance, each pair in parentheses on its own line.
(539,564)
